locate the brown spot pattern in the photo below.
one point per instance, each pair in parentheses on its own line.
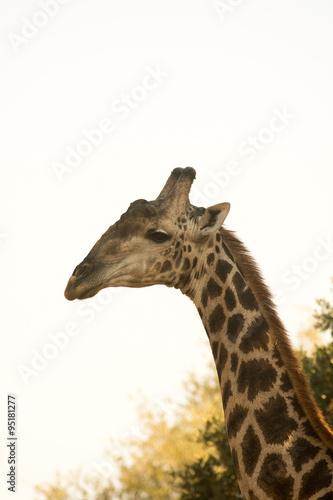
(255,376)
(227,251)
(236,419)
(215,347)
(317,479)
(178,261)
(256,336)
(235,326)
(213,289)
(223,268)
(210,258)
(230,300)
(328,496)
(277,357)
(309,431)
(274,479)
(221,361)
(235,461)
(186,264)
(251,449)
(274,420)
(166,266)
(226,394)
(252,496)
(301,452)
(245,294)
(286,384)
(204,297)
(234,362)
(297,407)
(216,319)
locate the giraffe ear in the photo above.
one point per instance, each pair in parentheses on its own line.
(213,218)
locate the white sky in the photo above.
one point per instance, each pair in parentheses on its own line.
(223,79)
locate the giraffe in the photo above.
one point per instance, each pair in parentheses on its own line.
(280,443)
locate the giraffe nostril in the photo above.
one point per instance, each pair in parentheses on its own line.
(75,270)
(80,270)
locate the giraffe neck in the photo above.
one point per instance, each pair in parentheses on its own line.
(278,439)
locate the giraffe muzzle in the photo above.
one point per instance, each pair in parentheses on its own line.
(80,285)
(70,292)
(80,291)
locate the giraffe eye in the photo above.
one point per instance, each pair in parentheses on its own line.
(158,236)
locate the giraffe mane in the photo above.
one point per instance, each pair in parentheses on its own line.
(252,274)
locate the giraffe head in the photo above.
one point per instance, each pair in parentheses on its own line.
(156,242)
